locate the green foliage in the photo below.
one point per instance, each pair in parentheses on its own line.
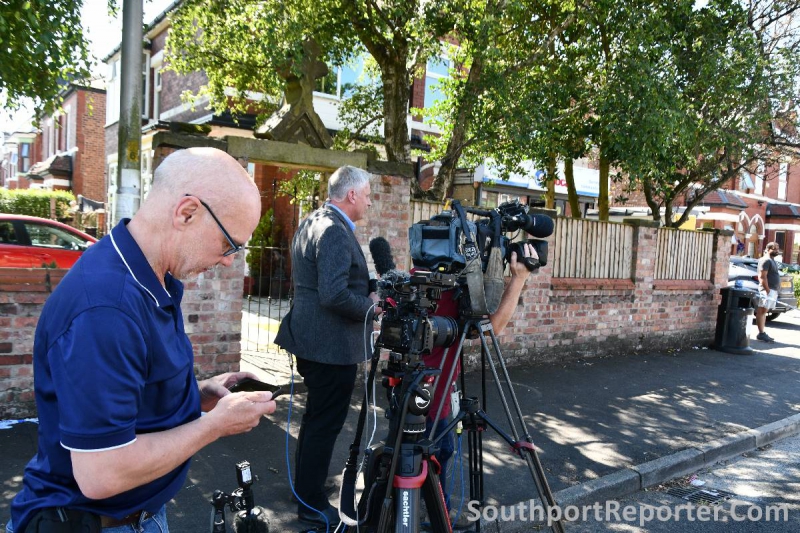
(35,202)
(251,46)
(264,236)
(41,45)
(302,187)
(669,95)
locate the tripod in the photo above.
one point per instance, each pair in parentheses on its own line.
(406,457)
(475,421)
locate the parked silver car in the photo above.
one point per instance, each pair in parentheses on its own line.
(745,271)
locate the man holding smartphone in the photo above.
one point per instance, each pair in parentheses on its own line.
(118,403)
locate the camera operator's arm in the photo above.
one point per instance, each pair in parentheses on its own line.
(510,298)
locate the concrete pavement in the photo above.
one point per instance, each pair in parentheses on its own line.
(604,428)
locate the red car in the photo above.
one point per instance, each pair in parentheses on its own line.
(32,242)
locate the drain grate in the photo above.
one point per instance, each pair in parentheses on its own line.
(700,496)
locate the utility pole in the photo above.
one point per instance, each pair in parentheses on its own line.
(130,113)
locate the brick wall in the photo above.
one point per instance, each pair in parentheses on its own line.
(212,316)
(212,312)
(557,319)
(91,146)
(173,85)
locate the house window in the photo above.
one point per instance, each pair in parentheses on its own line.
(780,238)
(340,81)
(745,181)
(759,181)
(112,92)
(146,175)
(68,127)
(783,173)
(438,68)
(145,85)
(156,93)
(53,124)
(25,157)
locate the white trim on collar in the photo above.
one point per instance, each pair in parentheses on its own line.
(111,234)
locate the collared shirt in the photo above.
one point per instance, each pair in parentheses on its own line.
(350,223)
(111,360)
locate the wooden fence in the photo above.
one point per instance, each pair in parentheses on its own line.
(591,249)
(684,254)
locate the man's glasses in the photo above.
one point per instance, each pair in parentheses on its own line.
(234,247)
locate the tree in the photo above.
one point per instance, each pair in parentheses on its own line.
(723,89)
(244,44)
(41,47)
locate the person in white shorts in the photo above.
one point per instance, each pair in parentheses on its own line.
(769,279)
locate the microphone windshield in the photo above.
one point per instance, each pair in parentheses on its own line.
(539,226)
(381,255)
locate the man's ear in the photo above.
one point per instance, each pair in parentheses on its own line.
(185,212)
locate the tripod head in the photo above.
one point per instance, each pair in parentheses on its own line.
(249,517)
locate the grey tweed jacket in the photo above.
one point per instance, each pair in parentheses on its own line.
(331,293)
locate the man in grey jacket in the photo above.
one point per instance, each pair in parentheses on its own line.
(325,330)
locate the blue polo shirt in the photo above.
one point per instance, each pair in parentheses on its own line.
(111,360)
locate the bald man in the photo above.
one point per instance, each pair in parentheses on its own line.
(119,407)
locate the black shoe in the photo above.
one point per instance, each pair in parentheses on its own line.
(314,518)
(329,488)
(763,337)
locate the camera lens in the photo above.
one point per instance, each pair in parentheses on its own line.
(445,330)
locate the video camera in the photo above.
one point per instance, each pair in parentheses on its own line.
(453,253)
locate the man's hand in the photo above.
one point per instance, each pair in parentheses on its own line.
(375,299)
(518,268)
(241,412)
(106,473)
(212,389)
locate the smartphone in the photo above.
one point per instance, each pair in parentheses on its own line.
(251,385)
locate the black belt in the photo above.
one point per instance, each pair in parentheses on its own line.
(135,517)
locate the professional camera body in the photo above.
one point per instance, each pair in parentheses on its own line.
(442,243)
(408,325)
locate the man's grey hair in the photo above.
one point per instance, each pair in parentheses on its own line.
(346,179)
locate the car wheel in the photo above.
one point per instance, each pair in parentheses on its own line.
(772,316)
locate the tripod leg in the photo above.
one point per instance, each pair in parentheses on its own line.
(475,448)
(529,452)
(434,502)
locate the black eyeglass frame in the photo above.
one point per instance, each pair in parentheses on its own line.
(235,248)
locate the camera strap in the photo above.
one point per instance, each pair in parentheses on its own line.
(473,271)
(347,510)
(493,278)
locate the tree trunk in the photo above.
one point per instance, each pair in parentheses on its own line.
(603,199)
(550,192)
(462,122)
(396,96)
(652,203)
(572,194)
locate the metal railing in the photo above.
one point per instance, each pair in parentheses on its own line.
(267,296)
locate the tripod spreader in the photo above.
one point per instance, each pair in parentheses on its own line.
(521,446)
